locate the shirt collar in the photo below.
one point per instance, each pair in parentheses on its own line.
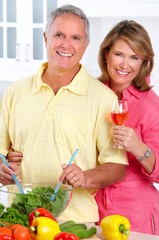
(78,85)
(128,92)
(131,90)
(37,80)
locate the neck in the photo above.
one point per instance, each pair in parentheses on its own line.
(118,91)
(57,79)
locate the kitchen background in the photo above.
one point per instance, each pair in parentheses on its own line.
(22,23)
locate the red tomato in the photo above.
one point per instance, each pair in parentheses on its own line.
(5,231)
(14,226)
(21,233)
(5,237)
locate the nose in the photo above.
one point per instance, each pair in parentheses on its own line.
(124,63)
(65,43)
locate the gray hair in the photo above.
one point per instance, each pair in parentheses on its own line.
(66,10)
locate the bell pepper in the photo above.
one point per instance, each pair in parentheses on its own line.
(40,212)
(44,228)
(66,236)
(115,227)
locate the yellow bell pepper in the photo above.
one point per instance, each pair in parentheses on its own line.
(115,227)
(44,228)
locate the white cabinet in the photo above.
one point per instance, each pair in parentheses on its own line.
(22,48)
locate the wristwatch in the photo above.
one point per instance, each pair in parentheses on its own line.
(146,155)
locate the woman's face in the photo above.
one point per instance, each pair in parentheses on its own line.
(123,64)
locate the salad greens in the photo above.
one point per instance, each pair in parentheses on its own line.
(12,216)
(40,197)
(23,204)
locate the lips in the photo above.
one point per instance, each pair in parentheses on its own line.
(64,54)
(122,73)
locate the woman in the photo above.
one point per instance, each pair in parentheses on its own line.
(125,59)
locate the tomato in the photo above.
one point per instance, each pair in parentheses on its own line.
(5,231)
(21,233)
(14,226)
(5,237)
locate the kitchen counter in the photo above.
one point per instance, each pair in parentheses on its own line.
(133,236)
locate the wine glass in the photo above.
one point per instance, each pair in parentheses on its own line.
(119,114)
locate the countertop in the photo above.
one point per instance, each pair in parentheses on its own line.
(133,236)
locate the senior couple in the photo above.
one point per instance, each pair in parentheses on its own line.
(46,116)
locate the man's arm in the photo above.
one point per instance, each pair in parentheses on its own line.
(105,175)
(100,177)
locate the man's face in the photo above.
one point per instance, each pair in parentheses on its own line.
(66,42)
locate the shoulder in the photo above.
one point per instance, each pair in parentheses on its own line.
(27,82)
(150,98)
(148,105)
(96,86)
(20,85)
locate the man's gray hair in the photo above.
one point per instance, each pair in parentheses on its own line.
(69,9)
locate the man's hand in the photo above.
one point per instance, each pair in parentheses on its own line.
(73,175)
(14,159)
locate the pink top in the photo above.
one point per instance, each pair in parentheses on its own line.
(136,197)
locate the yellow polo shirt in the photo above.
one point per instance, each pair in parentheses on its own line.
(47,128)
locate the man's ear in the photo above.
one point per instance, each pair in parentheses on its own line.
(45,38)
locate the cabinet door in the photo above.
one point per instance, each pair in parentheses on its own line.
(36,14)
(22,47)
(8,33)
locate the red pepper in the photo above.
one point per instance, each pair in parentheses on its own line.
(66,236)
(40,212)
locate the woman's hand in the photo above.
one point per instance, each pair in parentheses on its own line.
(127,138)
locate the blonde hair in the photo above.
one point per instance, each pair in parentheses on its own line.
(138,39)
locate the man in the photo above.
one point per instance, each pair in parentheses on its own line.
(60,108)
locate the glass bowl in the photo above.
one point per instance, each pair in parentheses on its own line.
(36,195)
